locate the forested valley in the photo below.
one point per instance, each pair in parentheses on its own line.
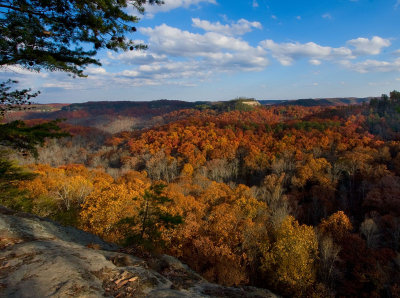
(304,201)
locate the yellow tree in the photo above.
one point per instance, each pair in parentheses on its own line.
(110,202)
(59,192)
(290,261)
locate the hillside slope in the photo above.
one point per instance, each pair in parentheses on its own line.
(39,258)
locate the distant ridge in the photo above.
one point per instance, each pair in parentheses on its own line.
(123,105)
(100,111)
(119,106)
(310,102)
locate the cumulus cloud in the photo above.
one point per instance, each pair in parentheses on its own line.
(365,46)
(161,72)
(287,53)
(172,73)
(178,43)
(181,58)
(241,27)
(137,57)
(373,66)
(173,4)
(186,72)
(175,57)
(95,70)
(183,73)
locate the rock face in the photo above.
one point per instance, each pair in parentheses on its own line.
(253,103)
(39,258)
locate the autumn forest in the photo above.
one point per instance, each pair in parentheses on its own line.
(304,201)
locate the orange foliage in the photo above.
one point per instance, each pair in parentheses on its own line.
(337,226)
(303,162)
(112,201)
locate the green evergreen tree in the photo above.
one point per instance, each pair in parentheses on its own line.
(65,35)
(151,218)
(55,35)
(10,175)
(61,36)
(16,99)
(19,136)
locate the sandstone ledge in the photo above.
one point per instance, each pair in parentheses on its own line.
(40,258)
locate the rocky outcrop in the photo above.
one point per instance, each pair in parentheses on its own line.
(40,258)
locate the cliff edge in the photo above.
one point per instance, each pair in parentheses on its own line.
(40,258)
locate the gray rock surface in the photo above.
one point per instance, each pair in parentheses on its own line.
(40,258)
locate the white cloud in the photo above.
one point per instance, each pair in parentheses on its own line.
(255,4)
(174,57)
(397,4)
(181,58)
(315,62)
(231,62)
(184,58)
(95,70)
(373,66)
(175,42)
(298,18)
(164,72)
(173,4)
(137,57)
(62,85)
(365,46)
(239,28)
(327,16)
(287,53)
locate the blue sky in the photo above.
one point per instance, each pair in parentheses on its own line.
(221,49)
